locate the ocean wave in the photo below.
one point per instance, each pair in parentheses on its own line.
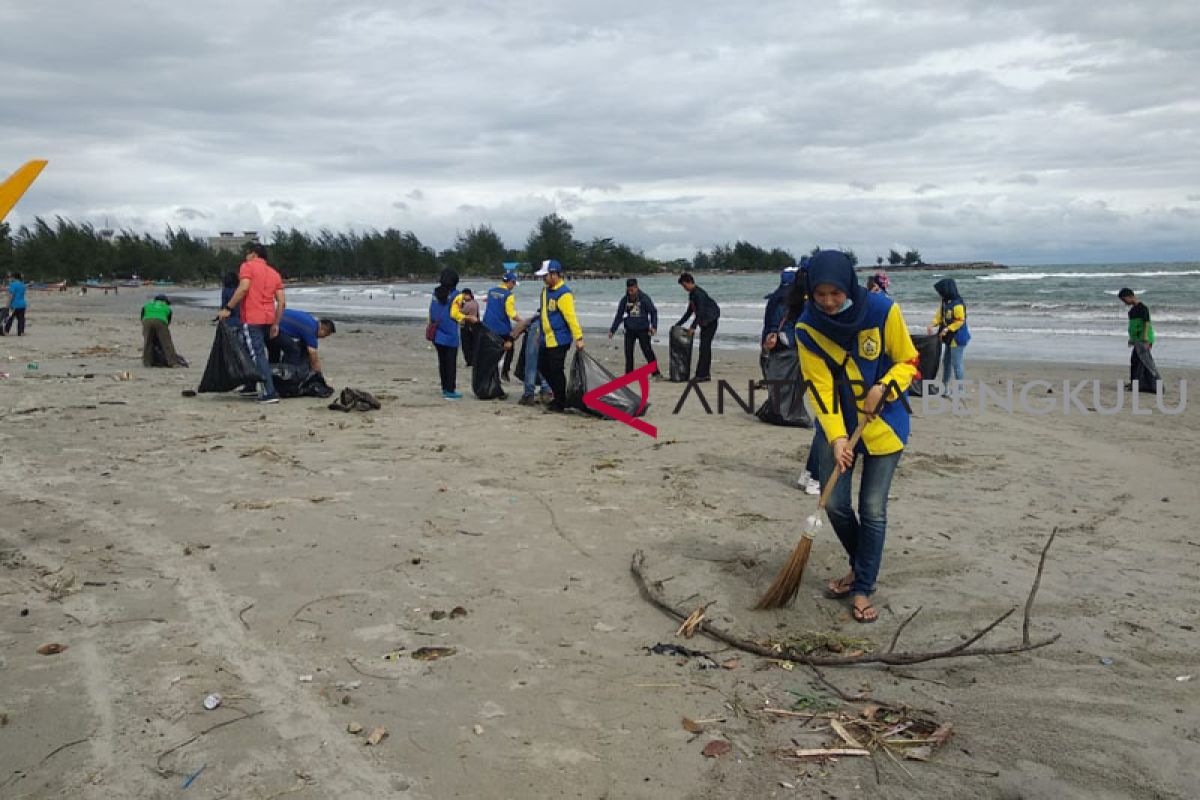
(1037,276)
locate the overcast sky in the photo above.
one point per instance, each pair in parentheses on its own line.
(1023,132)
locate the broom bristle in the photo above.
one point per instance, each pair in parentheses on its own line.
(787,582)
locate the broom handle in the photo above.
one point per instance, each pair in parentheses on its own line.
(833,477)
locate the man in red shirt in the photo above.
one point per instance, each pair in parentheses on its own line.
(260,291)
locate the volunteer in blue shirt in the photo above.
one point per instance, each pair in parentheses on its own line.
(16,305)
(445,315)
(298,335)
(560,327)
(501,311)
(637,311)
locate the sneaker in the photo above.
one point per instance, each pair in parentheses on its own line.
(802,481)
(244,392)
(527,400)
(452,395)
(267,400)
(813,486)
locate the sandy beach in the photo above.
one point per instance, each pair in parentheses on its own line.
(184,546)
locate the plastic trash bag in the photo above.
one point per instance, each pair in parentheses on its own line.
(230,363)
(785,393)
(929,358)
(680,354)
(1145,371)
(587,374)
(485,372)
(299,380)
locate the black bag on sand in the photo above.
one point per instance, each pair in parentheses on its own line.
(158,357)
(586,374)
(681,354)
(1145,371)
(929,358)
(299,380)
(230,364)
(485,372)
(785,394)
(355,400)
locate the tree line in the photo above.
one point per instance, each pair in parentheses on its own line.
(76,252)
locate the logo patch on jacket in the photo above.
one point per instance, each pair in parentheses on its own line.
(869,344)
(552,305)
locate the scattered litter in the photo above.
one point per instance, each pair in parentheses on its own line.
(457,611)
(347,686)
(786,785)
(438,614)
(832,752)
(354,727)
(1183,678)
(601,627)
(432,653)
(52,649)
(376,736)
(306,678)
(188,393)
(393,655)
(691,726)
(478,730)
(192,778)
(716,748)
(731,663)
(212,701)
(1108,662)
(668,649)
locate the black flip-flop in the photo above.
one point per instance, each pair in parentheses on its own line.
(859,614)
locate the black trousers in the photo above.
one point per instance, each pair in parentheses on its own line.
(447,365)
(639,337)
(470,341)
(18,316)
(704,366)
(284,349)
(552,363)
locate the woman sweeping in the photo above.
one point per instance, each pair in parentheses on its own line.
(858,357)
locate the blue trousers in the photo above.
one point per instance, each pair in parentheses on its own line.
(255,338)
(533,342)
(861,534)
(952,358)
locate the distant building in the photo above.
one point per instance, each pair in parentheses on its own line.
(229,242)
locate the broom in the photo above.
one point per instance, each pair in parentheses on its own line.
(787,582)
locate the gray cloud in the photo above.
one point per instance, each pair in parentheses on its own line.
(1048,133)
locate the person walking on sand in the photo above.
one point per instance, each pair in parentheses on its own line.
(260,301)
(16,305)
(849,339)
(560,327)
(950,322)
(445,314)
(1141,332)
(156,330)
(707,315)
(637,311)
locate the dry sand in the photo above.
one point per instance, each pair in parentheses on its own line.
(183,546)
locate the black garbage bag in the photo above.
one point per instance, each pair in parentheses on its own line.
(158,356)
(929,352)
(1145,371)
(519,347)
(681,354)
(299,380)
(785,393)
(230,363)
(587,374)
(355,400)
(485,369)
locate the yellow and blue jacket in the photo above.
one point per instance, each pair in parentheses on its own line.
(560,325)
(883,352)
(952,316)
(501,311)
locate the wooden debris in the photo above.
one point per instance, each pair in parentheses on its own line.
(691,726)
(841,731)
(831,752)
(688,628)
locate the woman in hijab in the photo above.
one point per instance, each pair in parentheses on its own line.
(951,324)
(445,311)
(849,340)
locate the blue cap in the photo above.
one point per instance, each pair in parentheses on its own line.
(548,266)
(510,276)
(788,276)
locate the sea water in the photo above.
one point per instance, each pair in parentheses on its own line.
(1045,312)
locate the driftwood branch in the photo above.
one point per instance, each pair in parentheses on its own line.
(652,593)
(167,772)
(1037,580)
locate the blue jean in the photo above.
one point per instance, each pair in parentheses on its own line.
(952,357)
(861,535)
(255,337)
(533,342)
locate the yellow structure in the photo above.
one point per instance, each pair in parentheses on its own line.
(12,189)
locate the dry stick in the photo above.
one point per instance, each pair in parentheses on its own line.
(354,667)
(895,659)
(558,529)
(165,753)
(243,619)
(1033,591)
(900,630)
(296,613)
(60,748)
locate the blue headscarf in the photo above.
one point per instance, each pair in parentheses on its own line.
(833,267)
(948,290)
